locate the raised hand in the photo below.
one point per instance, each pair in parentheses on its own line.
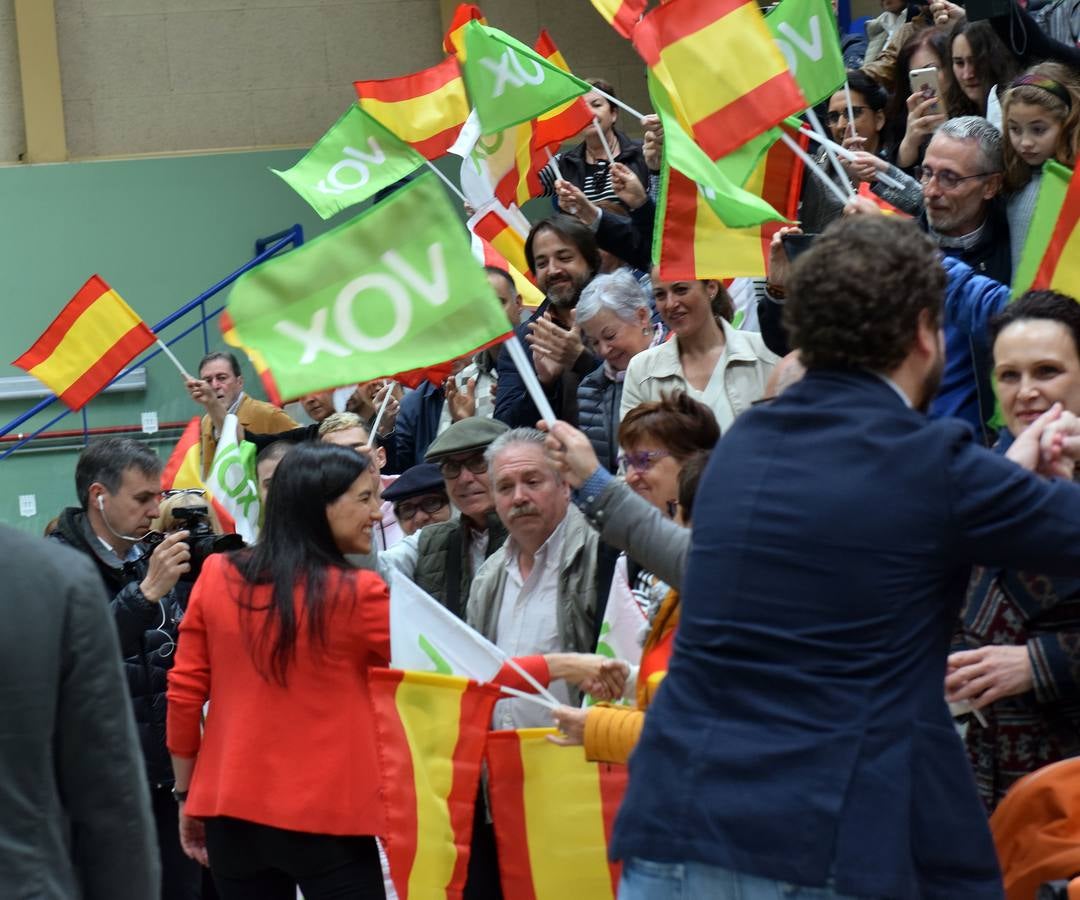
(460,402)
(627,186)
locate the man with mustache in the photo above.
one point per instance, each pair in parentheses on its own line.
(563,257)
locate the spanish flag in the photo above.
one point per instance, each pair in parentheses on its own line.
(553,812)
(691,242)
(430,731)
(1060,267)
(454,42)
(885,206)
(1048,210)
(87,345)
(184,470)
(563,122)
(426,109)
(493,228)
(725,74)
(622,15)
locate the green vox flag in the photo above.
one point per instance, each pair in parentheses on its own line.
(354,160)
(807,34)
(1055,184)
(735,207)
(509,83)
(394,289)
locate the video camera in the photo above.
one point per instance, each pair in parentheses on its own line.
(201,538)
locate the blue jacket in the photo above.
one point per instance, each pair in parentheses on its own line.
(512,402)
(802,727)
(417,424)
(971,301)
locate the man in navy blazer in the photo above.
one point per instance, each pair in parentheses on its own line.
(801,736)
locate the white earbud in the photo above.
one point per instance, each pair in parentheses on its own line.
(101,503)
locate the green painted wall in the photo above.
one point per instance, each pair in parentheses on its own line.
(160,231)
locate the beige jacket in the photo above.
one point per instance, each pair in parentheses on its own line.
(743,371)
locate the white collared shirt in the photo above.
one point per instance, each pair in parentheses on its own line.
(528,623)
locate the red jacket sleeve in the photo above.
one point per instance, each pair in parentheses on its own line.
(535,665)
(189,678)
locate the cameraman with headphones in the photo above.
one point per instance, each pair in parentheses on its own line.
(118,484)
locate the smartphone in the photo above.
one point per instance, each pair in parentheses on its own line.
(986,9)
(925,81)
(795,244)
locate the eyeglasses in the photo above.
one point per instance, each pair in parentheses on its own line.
(642,460)
(946,180)
(451,468)
(407,509)
(833,118)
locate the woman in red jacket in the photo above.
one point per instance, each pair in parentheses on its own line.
(282,788)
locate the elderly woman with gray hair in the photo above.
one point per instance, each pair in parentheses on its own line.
(615,320)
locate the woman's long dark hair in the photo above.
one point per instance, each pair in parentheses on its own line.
(896,113)
(994,63)
(294,550)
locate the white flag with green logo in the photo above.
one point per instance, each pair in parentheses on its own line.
(426,637)
(232,481)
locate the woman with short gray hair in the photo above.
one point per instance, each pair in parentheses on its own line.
(615,321)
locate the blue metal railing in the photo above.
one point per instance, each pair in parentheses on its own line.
(264,249)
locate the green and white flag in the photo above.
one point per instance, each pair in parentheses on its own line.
(736,207)
(393,290)
(510,83)
(232,481)
(354,160)
(806,32)
(426,637)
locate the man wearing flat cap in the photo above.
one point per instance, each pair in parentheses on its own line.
(443,558)
(419,497)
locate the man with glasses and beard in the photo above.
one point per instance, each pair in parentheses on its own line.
(563,256)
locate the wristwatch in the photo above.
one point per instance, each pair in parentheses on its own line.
(179,796)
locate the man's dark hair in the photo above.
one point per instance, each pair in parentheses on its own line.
(1048,305)
(500,272)
(230,358)
(273,451)
(689,478)
(106,461)
(855,296)
(570,230)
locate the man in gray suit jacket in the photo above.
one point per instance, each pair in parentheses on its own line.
(76,810)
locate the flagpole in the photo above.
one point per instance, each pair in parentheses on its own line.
(815,123)
(389,387)
(540,689)
(554,164)
(603,140)
(165,349)
(812,165)
(528,375)
(594,89)
(532,698)
(850,108)
(453,187)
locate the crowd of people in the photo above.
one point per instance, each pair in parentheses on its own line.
(786,545)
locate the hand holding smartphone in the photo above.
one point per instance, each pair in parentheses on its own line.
(925,82)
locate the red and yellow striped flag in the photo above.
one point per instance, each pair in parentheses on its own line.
(693,243)
(431,731)
(489,256)
(563,122)
(553,812)
(454,42)
(867,193)
(426,109)
(184,470)
(87,345)
(622,15)
(727,78)
(1060,267)
(494,229)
